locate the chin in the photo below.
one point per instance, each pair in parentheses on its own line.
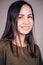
(24,32)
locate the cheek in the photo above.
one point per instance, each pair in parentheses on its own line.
(20,22)
(24,31)
(31,23)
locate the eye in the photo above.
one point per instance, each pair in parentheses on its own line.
(19,17)
(30,17)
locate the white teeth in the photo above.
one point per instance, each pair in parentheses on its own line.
(25,27)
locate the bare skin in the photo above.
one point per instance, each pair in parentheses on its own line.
(25,24)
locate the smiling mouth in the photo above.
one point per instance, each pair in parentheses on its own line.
(25,27)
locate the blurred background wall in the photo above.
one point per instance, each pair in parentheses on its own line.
(38,13)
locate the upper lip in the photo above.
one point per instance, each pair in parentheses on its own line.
(25,26)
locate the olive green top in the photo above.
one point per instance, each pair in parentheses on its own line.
(8,58)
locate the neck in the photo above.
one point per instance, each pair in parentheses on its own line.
(19,41)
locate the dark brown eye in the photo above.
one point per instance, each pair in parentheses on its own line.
(19,17)
(30,17)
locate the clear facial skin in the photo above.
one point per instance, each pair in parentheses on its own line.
(24,24)
(25,20)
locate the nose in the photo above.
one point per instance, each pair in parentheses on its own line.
(26,21)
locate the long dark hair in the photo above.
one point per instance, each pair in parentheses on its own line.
(11,25)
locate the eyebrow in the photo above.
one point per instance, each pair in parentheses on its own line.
(23,14)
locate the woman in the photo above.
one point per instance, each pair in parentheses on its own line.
(17,45)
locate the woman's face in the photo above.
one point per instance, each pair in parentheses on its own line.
(25,20)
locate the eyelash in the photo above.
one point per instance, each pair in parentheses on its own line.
(27,17)
(19,17)
(30,17)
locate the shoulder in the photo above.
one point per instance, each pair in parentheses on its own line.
(37,49)
(3,44)
(38,53)
(3,48)
(39,57)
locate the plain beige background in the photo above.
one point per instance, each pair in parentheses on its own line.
(38,12)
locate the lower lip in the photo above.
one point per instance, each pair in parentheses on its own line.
(26,28)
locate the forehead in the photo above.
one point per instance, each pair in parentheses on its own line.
(25,9)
